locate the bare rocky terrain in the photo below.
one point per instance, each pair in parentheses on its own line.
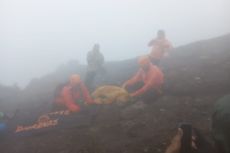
(196,75)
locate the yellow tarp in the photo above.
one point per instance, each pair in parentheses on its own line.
(110,94)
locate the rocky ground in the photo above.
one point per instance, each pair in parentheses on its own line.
(139,127)
(196,76)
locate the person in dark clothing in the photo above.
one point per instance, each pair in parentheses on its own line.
(95,60)
(221,124)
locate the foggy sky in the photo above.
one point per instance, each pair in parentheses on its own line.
(38,35)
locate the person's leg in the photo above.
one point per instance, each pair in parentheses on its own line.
(89,79)
(102,75)
(73,107)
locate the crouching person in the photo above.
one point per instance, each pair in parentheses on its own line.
(72,93)
(149,75)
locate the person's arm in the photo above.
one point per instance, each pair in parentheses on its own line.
(152,42)
(167,47)
(86,94)
(133,80)
(148,85)
(100,59)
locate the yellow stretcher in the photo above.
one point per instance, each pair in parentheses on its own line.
(110,94)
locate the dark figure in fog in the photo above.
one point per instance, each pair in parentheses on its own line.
(95,61)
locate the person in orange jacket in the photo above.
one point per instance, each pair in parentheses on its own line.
(71,93)
(149,74)
(160,47)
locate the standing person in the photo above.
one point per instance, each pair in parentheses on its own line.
(160,47)
(95,60)
(149,74)
(72,93)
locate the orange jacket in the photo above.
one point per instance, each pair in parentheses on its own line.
(70,95)
(159,47)
(153,78)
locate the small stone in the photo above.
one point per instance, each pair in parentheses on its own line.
(158,150)
(204,113)
(146,149)
(162,110)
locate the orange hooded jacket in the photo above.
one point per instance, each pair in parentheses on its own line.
(159,47)
(69,95)
(153,78)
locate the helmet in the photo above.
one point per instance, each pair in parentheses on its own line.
(74,79)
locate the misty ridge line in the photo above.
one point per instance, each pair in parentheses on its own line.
(76,61)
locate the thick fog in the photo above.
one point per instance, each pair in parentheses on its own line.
(38,35)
